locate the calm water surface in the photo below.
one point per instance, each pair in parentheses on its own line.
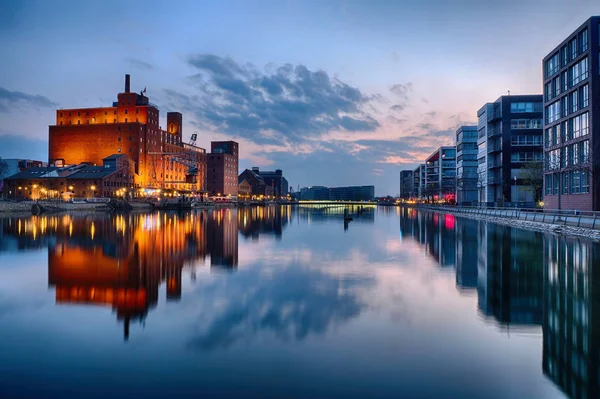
(290,303)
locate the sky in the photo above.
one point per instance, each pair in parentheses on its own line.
(334,93)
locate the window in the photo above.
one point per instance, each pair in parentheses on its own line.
(565,182)
(555,184)
(565,81)
(573,48)
(526,124)
(570,158)
(584,151)
(525,107)
(564,55)
(548,95)
(575,182)
(526,140)
(119,139)
(585,182)
(553,112)
(126,112)
(584,41)
(526,156)
(584,95)
(573,101)
(552,65)
(584,123)
(547,138)
(548,182)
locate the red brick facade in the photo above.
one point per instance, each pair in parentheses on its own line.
(131,127)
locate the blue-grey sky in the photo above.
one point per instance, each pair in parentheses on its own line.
(332,92)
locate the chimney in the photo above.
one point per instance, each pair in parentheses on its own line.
(127,85)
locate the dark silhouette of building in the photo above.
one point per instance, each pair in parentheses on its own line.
(253,186)
(274,179)
(406,184)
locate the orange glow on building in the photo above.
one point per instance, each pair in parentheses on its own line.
(130,126)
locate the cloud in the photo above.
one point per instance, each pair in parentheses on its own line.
(134,62)
(292,303)
(397,107)
(277,105)
(402,90)
(10,99)
(17,146)
(377,172)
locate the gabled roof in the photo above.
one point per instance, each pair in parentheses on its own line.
(249,173)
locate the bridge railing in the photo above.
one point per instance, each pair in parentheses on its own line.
(573,218)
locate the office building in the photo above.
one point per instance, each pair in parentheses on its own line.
(352,193)
(274,179)
(419,181)
(466,165)
(440,174)
(314,193)
(509,140)
(131,126)
(406,184)
(572,121)
(222,169)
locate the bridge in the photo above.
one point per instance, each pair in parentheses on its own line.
(331,204)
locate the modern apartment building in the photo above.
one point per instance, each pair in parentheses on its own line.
(509,144)
(406,184)
(419,181)
(572,120)
(466,164)
(440,174)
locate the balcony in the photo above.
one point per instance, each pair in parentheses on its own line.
(495,164)
(494,115)
(492,131)
(494,147)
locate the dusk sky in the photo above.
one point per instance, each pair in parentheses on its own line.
(332,92)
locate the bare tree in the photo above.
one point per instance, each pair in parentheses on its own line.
(532,173)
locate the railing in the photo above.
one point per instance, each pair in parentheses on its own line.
(494,147)
(572,218)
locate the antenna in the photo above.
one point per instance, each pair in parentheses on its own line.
(509,92)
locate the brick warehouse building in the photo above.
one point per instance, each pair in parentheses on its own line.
(131,126)
(222,168)
(572,121)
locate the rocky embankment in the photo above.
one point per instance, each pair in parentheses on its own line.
(7,207)
(529,225)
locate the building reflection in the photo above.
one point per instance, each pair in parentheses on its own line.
(121,261)
(265,220)
(571,351)
(527,279)
(502,263)
(436,232)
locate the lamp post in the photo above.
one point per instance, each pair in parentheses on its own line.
(515,191)
(93,189)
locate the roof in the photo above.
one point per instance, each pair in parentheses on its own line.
(92,172)
(71,171)
(246,172)
(113,156)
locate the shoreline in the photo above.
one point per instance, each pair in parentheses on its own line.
(593,234)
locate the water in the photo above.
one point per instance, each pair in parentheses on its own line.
(290,303)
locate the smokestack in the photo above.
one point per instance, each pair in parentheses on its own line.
(127,83)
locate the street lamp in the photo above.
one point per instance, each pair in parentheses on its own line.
(515,177)
(93,189)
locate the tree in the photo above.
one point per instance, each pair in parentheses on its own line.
(3,168)
(532,173)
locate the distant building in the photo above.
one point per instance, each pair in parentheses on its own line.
(419,181)
(222,169)
(466,164)
(315,193)
(572,121)
(14,166)
(253,186)
(130,126)
(440,175)
(352,193)
(274,179)
(114,179)
(406,184)
(509,136)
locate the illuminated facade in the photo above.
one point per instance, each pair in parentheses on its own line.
(130,126)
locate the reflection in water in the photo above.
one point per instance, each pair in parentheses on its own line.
(120,261)
(321,213)
(518,287)
(571,353)
(266,220)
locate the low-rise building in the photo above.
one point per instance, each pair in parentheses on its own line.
(116,178)
(274,179)
(253,186)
